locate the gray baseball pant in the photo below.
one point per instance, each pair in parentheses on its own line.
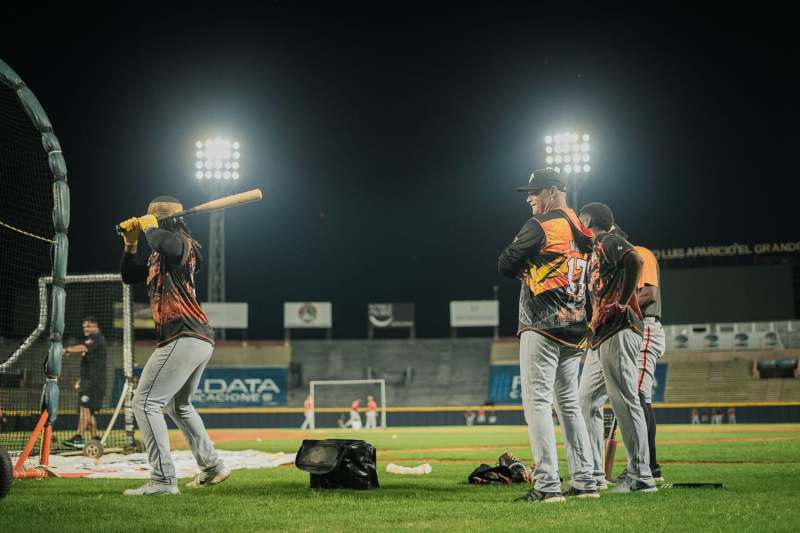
(611,371)
(168,380)
(653,343)
(549,375)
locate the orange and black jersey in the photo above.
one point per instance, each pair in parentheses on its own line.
(606,281)
(169,274)
(551,251)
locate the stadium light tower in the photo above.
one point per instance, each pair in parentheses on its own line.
(216,168)
(569,153)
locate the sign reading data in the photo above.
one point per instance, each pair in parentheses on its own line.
(307,315)
(474,313)
(241,387)
(231,387)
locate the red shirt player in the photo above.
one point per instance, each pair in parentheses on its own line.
(308,410)
(372,413)
(355,417)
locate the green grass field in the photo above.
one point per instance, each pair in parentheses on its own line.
(759,464)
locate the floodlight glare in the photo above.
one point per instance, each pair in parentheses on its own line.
(198,174)
(235,175)
(569,147)
(214,155)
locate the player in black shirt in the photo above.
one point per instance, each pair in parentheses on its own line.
(92,383)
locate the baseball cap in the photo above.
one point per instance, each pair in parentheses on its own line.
(543,178)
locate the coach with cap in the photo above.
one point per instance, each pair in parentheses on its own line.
(549,256)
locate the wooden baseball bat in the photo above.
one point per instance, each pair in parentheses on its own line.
(611,450)
(234,200)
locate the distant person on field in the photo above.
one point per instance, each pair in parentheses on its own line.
(355,416)
(308,410)
(731,415)
(695,417)
(92,383)
(372,413)
(469,416)
(492,412)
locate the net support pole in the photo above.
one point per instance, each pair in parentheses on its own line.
(127,363)
(383,404)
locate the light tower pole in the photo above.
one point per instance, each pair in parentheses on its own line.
(216,167)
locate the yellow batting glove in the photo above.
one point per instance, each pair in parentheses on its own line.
(148,221)
(130,231)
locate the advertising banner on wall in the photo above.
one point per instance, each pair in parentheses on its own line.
(505,386)
(395,315)
(227,315)
(299,315)
(232,387)
(474,313)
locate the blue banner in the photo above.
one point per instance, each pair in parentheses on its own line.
(233,387)
(505,386)
(660,382)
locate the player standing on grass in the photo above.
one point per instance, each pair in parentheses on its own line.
(648,292)
(92,383)
(184,347)
(616,339)
(549,255)
(372,413)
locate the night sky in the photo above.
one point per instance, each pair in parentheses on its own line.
(387,139)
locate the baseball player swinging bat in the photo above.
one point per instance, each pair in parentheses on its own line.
(225,202)
(611,449)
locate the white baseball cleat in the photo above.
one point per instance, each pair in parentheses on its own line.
(204,479)
(153,489)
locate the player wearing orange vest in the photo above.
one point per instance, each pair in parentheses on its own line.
(549,255)
(308,411)
(372,413)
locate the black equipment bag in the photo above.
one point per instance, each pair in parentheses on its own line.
(339,464)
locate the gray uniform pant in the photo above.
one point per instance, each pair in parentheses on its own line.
(653,342)
(549,375)
(168,380)
(611,372)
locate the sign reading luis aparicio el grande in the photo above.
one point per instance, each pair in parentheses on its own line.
(728,250)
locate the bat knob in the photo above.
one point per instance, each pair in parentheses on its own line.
(118,230)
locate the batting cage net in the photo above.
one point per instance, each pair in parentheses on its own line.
(34,216)
(98,342)
(332,403)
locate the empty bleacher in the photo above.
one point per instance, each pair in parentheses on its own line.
(420,372)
